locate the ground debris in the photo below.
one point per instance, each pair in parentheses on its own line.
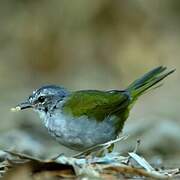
(111,166)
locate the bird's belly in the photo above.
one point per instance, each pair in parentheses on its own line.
(80,133)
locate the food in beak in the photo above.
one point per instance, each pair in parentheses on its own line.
(15,109)
(21,106)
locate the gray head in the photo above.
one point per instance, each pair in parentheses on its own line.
(45,98)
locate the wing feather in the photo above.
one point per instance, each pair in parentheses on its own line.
(96,104)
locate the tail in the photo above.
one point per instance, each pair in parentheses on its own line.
(147,82)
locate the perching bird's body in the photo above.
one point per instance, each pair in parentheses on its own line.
(82,119)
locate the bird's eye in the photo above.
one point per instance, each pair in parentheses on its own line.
(41,99)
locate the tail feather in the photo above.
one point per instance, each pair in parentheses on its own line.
(146,82)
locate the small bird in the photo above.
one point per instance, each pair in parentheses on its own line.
(82,119)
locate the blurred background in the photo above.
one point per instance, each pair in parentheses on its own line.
(97,44)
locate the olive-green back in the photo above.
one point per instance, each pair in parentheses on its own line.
(96,104)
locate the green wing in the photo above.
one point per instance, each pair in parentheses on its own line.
(96,104)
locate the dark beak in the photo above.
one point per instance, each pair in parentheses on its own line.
(21,106)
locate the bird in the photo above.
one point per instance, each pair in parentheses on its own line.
(84,118)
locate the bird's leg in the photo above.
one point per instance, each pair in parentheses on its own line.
(110,148)
(103,152)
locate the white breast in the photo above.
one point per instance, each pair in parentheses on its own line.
(78,133)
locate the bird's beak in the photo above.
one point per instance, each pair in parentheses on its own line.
(21,106)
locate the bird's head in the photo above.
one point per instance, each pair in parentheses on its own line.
(44,99)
